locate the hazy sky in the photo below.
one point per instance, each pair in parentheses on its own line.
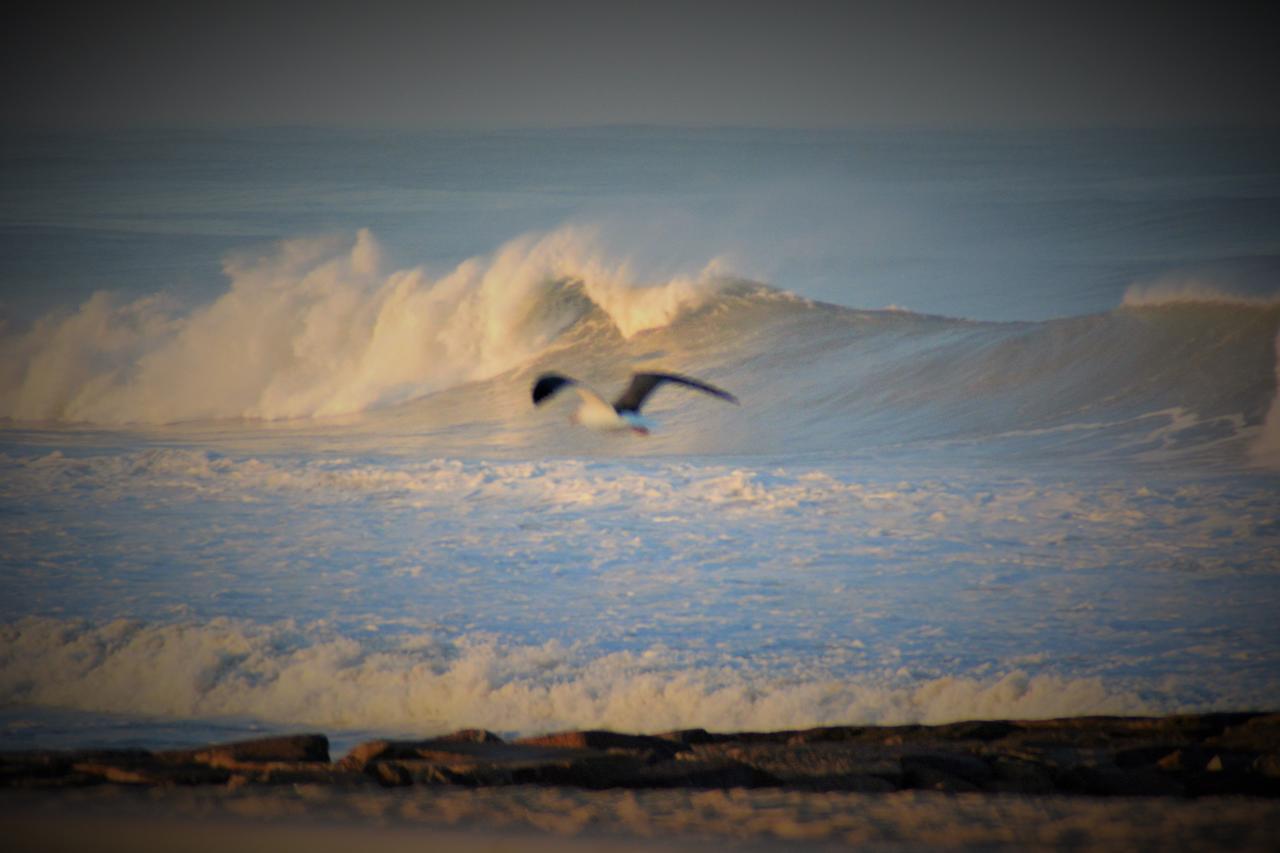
(489,63)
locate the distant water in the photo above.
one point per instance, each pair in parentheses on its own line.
(1007,445)
(1012,226)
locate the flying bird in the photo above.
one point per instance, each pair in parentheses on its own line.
(623,413)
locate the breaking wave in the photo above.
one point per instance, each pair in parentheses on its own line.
(317,328)
(300,676)
(1190,289)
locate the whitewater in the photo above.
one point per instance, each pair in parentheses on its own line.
(308,488)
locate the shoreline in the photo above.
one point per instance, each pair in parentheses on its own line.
(1201,781)
(1182,755)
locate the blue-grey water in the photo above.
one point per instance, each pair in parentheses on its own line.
(1007,442)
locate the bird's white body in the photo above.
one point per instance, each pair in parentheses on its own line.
(594,413)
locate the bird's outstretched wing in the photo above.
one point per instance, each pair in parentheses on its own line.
(642,385)
(548,384)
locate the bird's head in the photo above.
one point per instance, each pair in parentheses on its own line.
(638,423)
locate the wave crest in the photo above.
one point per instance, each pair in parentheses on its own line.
(315,327)
(1181,290)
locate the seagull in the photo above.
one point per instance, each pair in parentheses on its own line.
(623,413)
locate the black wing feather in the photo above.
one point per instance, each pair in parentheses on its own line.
(547,385)
(642,385)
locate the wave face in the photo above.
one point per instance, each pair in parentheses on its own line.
(316,329)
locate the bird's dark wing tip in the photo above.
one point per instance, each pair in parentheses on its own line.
(642,384)
(717,392)
(548,384)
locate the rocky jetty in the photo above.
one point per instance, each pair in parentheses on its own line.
(1181,756)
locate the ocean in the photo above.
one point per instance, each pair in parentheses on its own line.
(1008,441)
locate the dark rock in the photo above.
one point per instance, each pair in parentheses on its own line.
(1258,733)
(395,774)
(1231,761)
(1119,782)
(546,771)
(451,753)
(154,774)
(826,734)
(1230,783)
(1195,755)
(591,769)
(970,768)
(811,766)
(469,736)
(482,763)
(606,740)
(620,770)
(692,737)
(979,730)
(51,763)
(971,730)
(1268,765)
(701,774)
(1153,756)
(95,766)
(363,753)
(21,769)
(436,774)
(296,773)
(1019,776)
(310,747)
(1192,758)
(391,774)
(394,750)
(858,783)
(932,779)
(1118,732)
(68,779)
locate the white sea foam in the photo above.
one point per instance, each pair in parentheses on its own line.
(1184,289)
(392,595)
(1266,450)
(316,327)
(309,676)
(647,492)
